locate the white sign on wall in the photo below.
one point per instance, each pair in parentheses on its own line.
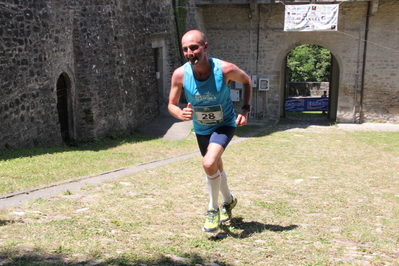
(235,95)
(312,17)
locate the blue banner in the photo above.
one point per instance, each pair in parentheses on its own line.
(306,104)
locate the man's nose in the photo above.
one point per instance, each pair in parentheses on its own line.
(189,51)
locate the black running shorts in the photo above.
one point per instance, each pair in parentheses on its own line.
(221,136)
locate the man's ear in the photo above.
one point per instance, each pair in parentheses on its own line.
(206,46)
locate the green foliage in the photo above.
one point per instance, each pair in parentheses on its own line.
(310,63)
(181,13)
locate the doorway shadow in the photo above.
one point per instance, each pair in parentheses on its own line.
(304,120)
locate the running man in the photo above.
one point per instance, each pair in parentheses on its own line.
(206,84)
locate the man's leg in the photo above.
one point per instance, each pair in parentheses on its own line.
(210,163)
(212,148)
(213,181)
(229,201)
(224,187)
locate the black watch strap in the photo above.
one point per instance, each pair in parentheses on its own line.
(246,107)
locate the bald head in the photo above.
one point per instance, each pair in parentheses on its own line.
(194,47)
(196,35)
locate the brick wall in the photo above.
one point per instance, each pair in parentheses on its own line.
(252,36)
(381,88)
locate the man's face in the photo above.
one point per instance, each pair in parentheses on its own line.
(194,48)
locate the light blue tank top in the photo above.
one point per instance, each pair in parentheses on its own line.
(210,99)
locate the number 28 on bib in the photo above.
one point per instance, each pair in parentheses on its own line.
(209,115)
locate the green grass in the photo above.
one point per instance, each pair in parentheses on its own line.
(313,195)
(28,168)
(380,140)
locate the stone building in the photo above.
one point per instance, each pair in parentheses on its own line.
(79,70)
(365,51)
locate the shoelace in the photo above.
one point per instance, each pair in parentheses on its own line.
(212,216)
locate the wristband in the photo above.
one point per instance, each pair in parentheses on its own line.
(246,107)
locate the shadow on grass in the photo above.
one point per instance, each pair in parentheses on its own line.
(6,222)
(94,144)
(43,260)
(248,229)
(301,120)
(89,145)
(292,120)
(306,119)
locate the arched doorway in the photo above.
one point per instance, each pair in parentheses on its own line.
(64,107)
(309,81)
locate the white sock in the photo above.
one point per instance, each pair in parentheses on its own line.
(224,188)
(213,183)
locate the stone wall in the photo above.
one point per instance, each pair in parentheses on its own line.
(104,51)
(29,42)
(308,89)
(103,48)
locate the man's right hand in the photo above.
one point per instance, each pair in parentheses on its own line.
(187,113)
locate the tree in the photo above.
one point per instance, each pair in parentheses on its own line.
(310,63)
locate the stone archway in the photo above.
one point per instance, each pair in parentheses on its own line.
(64,107)
(332,90)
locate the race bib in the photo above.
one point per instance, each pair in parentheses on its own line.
(209,115)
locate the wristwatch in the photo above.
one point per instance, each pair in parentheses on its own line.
(246,107)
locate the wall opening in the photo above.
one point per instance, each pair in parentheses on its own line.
(311,84)
(159,72)
(63,103)
(161,68)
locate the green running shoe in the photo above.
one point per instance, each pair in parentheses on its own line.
(212,220)
(225,210)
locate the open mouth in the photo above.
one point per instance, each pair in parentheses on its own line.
(192,61)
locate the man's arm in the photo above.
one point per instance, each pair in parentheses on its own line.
(174,96)
(233,73)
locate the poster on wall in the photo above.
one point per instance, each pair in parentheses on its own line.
(312,17)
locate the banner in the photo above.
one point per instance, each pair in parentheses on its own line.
(306,104)
(311,17)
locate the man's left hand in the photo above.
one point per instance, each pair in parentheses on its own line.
(242,119)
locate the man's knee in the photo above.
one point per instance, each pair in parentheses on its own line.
(208,162)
